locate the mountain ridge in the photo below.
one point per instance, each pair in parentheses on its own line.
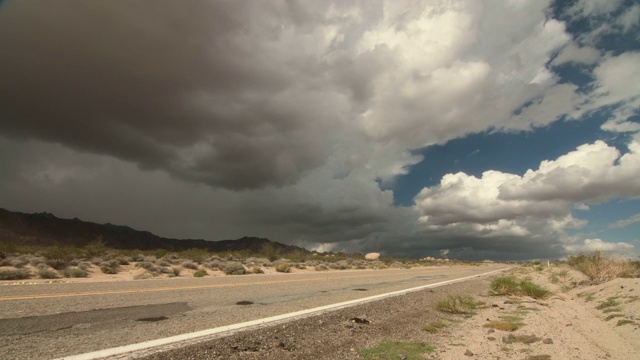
(48,230)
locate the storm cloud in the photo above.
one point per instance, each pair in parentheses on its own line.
(289,119)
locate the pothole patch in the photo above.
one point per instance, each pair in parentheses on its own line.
(153,319)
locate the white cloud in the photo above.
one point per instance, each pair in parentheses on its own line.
(592,173)
(626,222)
(576,54)
(619,249)
(630,18)
(588,8)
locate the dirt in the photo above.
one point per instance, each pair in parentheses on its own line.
(575,322)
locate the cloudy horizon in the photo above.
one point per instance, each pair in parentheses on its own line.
(504,130)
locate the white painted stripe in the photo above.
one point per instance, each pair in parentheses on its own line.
(208,334)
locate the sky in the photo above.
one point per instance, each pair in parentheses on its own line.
(478,129)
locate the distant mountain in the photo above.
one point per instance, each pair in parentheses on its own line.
(46,229)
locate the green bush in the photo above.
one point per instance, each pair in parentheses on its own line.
(234,268)
(47,274)
(110,267)
(74,273)
(17,274)
(200,273)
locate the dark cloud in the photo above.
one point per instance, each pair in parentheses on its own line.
(186,87)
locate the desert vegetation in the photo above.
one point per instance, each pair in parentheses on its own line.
(601,268)
(20,261)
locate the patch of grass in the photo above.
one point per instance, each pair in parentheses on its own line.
(613,316)
(538,357)
(396,349)
(626,322)
(17,274)
(534,290)
(200,273)
(601,268)
(612,309)
(456,304)
(504,325)
(509,285)
(525,339)
(588,296)
(434,327)
(610,302)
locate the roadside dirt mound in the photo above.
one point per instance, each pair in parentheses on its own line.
(575,322)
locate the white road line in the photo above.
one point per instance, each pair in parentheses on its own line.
(153,346)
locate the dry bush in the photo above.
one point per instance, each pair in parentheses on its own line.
(601,268)
(234,268)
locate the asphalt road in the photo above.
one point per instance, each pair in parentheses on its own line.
(46,321)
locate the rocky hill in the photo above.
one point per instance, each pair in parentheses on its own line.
(47,229)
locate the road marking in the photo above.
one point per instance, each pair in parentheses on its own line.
(192,287)
(147,347)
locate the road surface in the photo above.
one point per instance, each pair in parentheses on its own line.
(45,321)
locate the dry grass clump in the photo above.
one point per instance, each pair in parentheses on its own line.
(456,304)
(283,267)
(509,285)
(601,268)
(44,273)
(503,325)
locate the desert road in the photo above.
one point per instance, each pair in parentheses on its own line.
(46,321)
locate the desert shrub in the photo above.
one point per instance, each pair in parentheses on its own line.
(190,265)
(214,264)
(283,267)
(74,273)
(110,267)
(96,248)
(142,276)
(146,265)
(200,273)
(197,255)
(176,271)
(234,268)
(257,270)
(17,274)
(44,273)
(164,263)
(456,304)
(19,262)
(58,257)
(334,266)
(321,267)
(534,290)
(165,270)
(270,252)
(122,260)
(601,268)
(84,265)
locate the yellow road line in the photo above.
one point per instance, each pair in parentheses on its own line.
(193,287)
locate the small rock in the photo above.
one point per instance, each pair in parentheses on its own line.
(491,338)
(490,331)
(468,353)
(403,357)
(569,324)
(547,341)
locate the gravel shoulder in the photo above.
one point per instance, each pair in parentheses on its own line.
(579,321)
